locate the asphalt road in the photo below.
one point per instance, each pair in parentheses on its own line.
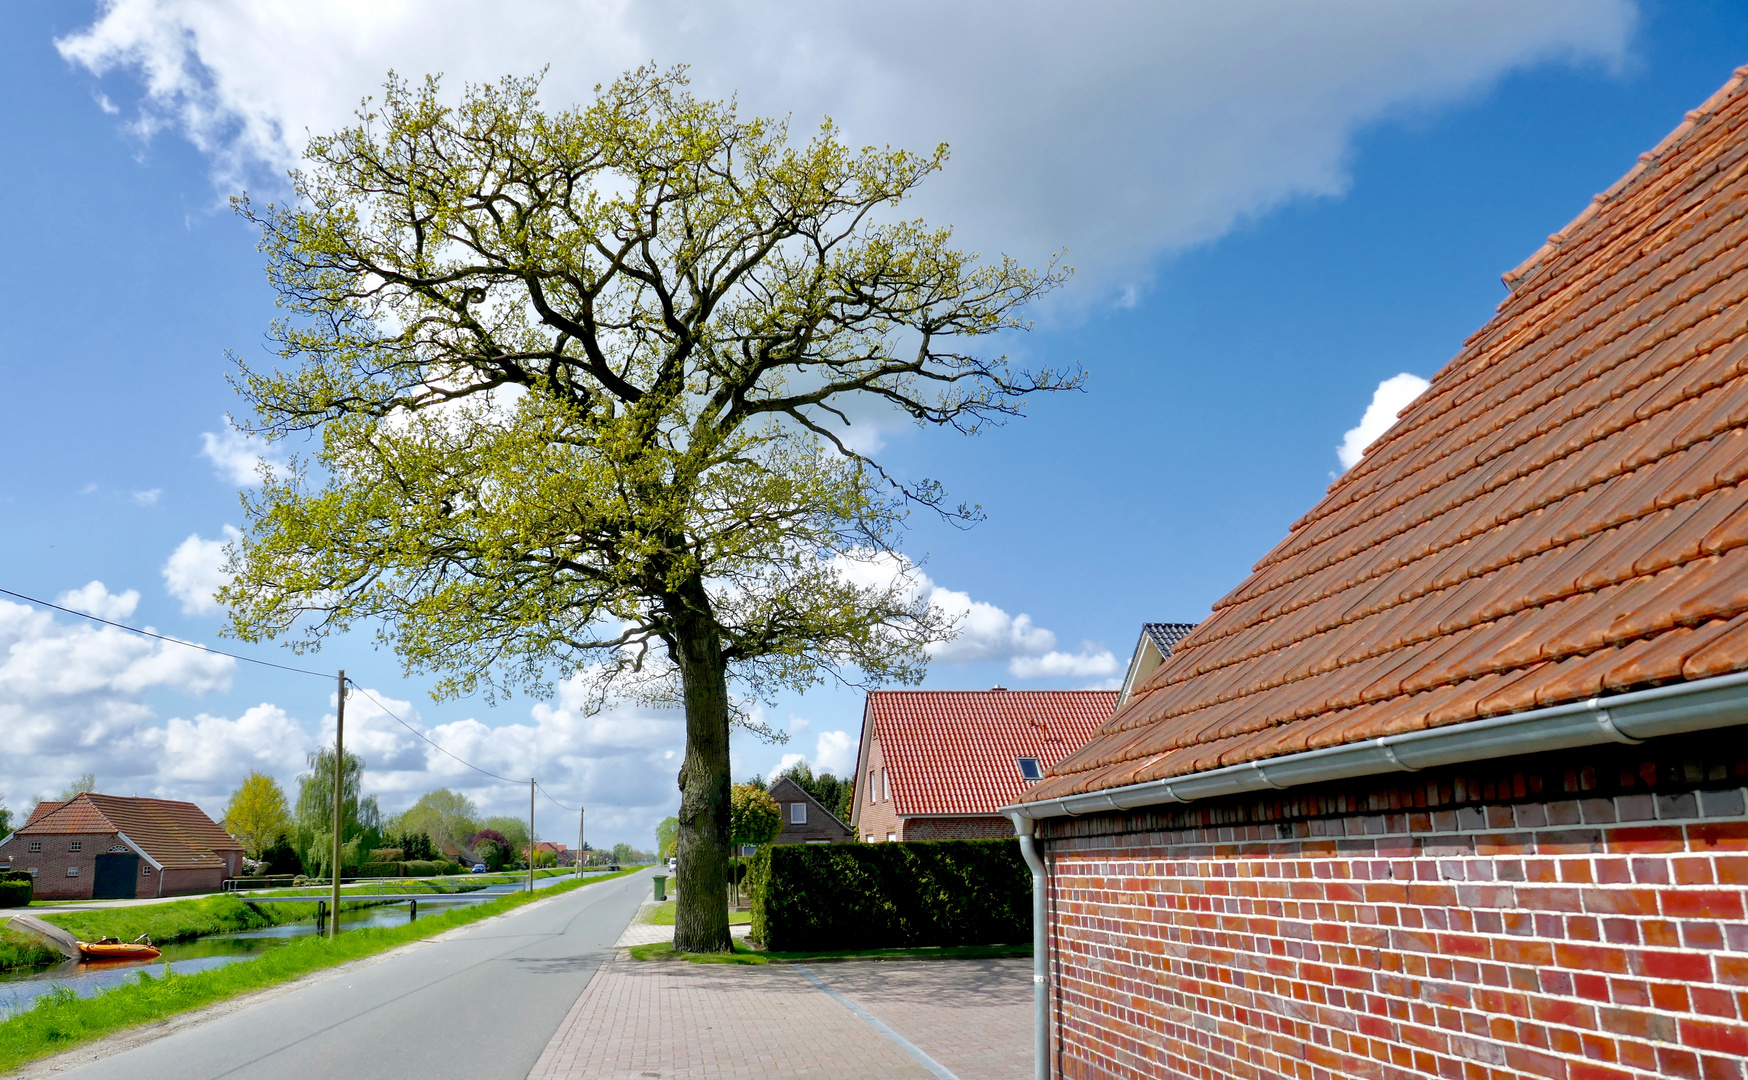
(480,1004)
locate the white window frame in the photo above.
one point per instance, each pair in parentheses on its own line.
(885,787)
(72,871)
(872,790)
(797,813)
(36,845)
(76,845)
(1037,766)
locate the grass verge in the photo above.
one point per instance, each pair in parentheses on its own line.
(663,915)
(747,954)
(61,1021)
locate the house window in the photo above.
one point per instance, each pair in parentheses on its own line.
(36,845)
(146,871)
(871,799)
(72,871)
(75,845)
(797,813)
(118,847)
(891,836)
(1029,769)
(885,787)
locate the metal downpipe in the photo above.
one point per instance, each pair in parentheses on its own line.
(1040,948)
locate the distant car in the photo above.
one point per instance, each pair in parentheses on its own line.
(479,867)
(673,864)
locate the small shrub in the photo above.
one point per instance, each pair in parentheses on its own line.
(815,897)
(426,868)
(386,854)
(380,869)
(16,890)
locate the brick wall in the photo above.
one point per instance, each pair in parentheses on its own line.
(183,882)
(1580,919)
(52,862)
(978,827)
(874,818)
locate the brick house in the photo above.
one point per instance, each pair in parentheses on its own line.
(940,764)
(1452,785)
(107,847)
(805,818)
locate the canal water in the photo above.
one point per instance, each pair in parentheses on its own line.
(19,989)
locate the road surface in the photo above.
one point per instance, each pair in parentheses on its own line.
(480,1004)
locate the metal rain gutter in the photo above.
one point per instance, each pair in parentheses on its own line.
(1679,708)
(1630,718)
(1040,950)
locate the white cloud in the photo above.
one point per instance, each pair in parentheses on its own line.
(196,570)
(1116,131)
(146,498)
(235,456)
(1090,662)
(985,632)
(94,599)
(1391,397)
(833,752)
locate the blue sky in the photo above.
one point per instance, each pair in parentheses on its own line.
(1270,215)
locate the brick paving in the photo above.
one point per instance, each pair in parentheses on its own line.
(680,1021)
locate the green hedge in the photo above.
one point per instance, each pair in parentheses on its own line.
(815,897)
(15,891)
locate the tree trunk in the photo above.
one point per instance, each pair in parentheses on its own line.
(701,914)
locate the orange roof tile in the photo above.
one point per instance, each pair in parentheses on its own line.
(954,751)
(178,835)
(1563,513)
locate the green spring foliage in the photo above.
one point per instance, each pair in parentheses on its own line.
(818,897)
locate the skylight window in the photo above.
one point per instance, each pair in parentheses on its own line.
(1029,769)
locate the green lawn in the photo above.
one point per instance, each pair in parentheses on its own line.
(663,915)
(61,1021)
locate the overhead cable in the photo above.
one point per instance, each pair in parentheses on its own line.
(428,739)
(162,637)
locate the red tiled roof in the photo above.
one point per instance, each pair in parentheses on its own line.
(1563,513)
(178,835)
(42,809)
(953,751)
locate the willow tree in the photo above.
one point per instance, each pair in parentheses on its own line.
(582,382)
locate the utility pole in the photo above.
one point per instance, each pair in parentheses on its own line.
(531,834)
(339,797)
(579,841)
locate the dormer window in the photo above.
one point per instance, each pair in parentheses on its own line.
(1029,769)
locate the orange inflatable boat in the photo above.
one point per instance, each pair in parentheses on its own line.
(110,949)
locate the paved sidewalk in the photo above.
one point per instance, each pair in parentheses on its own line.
(681,1021)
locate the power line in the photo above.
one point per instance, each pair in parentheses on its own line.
(171,640)
(553,801)
(428,739)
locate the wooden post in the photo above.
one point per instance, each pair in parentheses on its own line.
(531,834)
(339,795)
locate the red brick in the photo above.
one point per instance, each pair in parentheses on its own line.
(1717,1037)
(1687,967)
(1702,903)
(1719,836)
(1646,839)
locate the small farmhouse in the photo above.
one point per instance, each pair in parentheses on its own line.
(111,847)
(805,820)
(1452,786)
(940,764)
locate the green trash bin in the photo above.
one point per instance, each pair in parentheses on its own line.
(661,886)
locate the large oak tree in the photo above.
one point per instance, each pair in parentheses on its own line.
(582,381)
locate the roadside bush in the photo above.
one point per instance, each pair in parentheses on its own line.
(816,897)
(15,889)
(427,868)
(379,869)
(386,854)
